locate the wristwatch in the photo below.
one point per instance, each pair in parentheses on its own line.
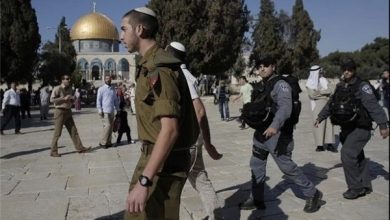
(145,181)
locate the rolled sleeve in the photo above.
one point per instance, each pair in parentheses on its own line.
(167,95)
(167,108)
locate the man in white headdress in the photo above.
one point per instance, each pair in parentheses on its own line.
(319,89)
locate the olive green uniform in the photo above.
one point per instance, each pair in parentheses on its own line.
(63,116)
(162,91)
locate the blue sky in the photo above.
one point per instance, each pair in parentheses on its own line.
(346,25)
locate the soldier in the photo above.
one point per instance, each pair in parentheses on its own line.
(62,98)
(276,138)
(355,126)
(166,122)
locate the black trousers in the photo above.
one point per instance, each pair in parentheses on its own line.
(24,109)
(11,111)
(120,133)
(354,162)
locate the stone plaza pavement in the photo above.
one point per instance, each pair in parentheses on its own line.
(94,185)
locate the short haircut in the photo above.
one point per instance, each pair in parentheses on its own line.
(63,76)
(149,22)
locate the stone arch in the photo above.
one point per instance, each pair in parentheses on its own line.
(123,68)
(110,67)
(97,69)
(83,66)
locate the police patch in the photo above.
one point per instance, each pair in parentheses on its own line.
(283,87)
(367,89)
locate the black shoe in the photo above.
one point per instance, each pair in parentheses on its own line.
(105,146)
(331,148)
(320,148)
(368,190)
(313,204)
(1,132)
(18,132)
(354,193)
(250,204)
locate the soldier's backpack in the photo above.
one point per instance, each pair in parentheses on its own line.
(259,113)
(346,109)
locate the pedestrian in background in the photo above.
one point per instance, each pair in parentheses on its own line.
(25,100)
(44,102)
(77,101)
(319,90)
(62,97)
(223,100)
(107,103)
(123,125)
(11,108)
(245,94)
(198,176)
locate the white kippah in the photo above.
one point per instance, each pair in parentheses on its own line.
(315,67)
(146,10)
(178,46)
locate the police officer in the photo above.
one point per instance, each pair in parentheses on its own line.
(355,135)
(276,140)
(166,122)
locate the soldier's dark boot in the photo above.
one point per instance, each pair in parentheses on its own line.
(354,193)
(256,199)
(313,204)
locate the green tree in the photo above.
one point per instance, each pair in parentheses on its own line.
(54,62)
(267,37)
(304,39)
(212,31)
(372,59)
(20,41)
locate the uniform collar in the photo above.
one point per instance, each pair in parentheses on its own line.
(149,53)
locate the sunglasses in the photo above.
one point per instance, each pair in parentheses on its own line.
(65,78)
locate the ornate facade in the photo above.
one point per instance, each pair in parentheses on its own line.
(96,41)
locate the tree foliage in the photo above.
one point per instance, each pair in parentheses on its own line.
(20,40)
(55,63)
(212,31)
(372,59)
(267,36)
(303,39)
(292,41)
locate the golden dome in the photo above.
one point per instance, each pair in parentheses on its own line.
(94,26)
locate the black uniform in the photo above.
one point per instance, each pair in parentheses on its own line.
(356,135)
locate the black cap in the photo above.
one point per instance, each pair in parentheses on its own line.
(348,64)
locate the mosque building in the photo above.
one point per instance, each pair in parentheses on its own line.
(96,41)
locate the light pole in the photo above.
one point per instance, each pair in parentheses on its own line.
(59,32)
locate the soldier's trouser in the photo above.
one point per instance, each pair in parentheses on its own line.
(108,121)
(258,164)
(200,182)
(64,117)
(164,195)
(353,159)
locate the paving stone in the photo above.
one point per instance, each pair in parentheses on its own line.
(95,185)
(41,185)
(97,180)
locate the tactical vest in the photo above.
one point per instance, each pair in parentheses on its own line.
(259,113)
(346,109)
